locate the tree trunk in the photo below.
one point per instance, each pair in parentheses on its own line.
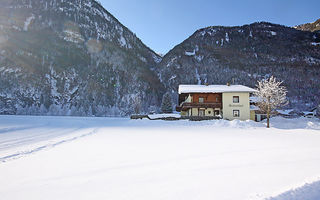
(268,113)
(268,118)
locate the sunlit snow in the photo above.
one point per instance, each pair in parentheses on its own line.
(118,158)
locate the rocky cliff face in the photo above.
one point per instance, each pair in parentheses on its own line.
(315,26)
(245,54)
(72,57)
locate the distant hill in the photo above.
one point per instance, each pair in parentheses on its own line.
(245,54)
(315,26)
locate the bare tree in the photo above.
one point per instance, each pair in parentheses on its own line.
(271,95)
(137,104)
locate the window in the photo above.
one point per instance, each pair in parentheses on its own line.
(236,113)
(235,99)
(201,99)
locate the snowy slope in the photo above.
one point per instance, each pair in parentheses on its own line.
(72,57)
(245,54)
(117,158)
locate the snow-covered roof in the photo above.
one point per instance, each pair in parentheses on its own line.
(285,112)
(213,88)
(253,107)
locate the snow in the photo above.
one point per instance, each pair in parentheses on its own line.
(309,191)
(107,17)
(250,34)
(227,37)
(315,43)
(199,58)
(165,115)
(285,112)
(202,33)
(187,53)
(253,107)
(9,70)
(172,77)
(311,60)
(118,158)
(156,58)
(197,77)
(122,41)
(143,59)
(72,36)
(213,88)
(273,33)
(210,32)
(309,113)
(28,22)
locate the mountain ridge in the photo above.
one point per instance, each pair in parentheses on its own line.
(75,58)
(245,54)
(313,26)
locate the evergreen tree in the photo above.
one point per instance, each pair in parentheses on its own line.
(166,105)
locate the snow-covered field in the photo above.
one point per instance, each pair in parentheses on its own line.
(117,158)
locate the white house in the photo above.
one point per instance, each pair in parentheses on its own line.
(228,101)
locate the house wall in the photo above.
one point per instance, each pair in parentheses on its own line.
(207,114)
(252,115)
(195,112)
(243,106)
(208,97)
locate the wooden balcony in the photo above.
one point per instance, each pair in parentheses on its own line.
(185,106)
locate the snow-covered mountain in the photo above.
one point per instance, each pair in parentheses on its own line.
(72,58)
(245,54)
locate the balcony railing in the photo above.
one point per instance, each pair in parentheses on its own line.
(185,105)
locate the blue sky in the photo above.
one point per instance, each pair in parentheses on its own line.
(163,24)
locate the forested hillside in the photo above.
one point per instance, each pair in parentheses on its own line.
(245,54)
(73,57)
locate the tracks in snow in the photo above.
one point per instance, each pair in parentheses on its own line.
(44,146)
